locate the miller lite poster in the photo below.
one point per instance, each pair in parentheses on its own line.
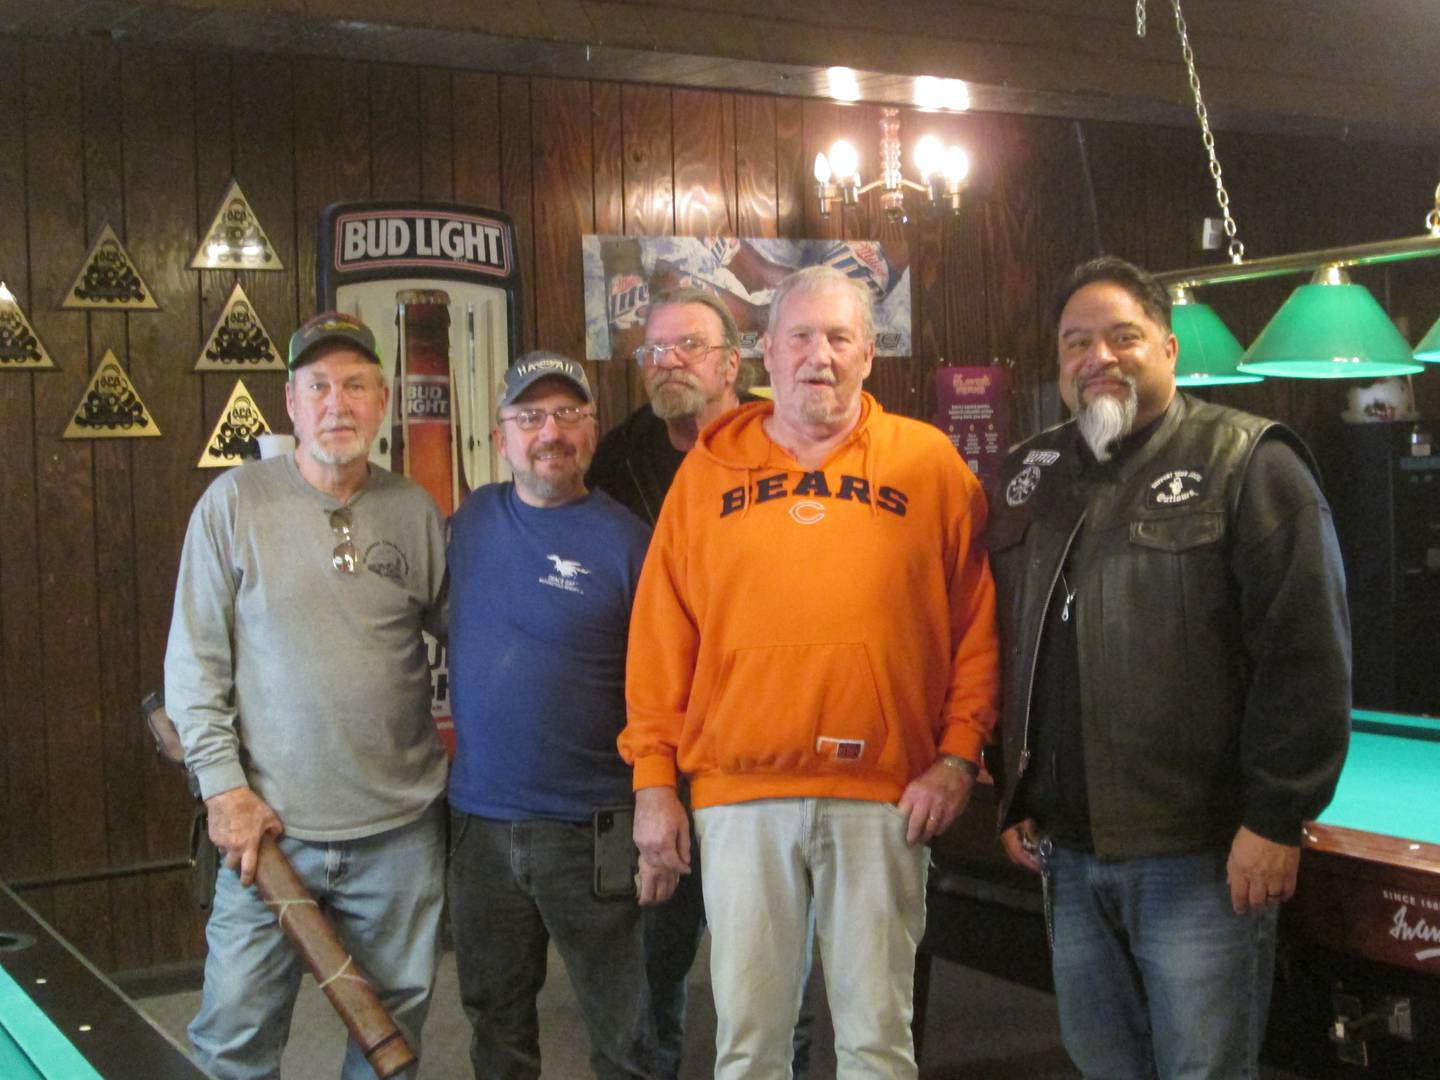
(439,284)
(623,272)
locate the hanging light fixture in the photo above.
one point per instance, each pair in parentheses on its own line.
(1208,350)
(1330,329)
(944,171)
(1428,350)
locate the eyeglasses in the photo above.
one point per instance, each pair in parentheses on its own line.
(534,419)
(686,351)
(346,556)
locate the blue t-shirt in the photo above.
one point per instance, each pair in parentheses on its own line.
(539,618)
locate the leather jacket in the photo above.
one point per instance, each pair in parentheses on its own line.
(1175,731)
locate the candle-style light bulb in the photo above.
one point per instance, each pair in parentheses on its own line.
(929,156)
(957,164)
(845,161)
(822,169)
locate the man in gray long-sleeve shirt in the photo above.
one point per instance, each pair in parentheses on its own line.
(296,675)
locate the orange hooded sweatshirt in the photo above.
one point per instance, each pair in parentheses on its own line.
(820,633)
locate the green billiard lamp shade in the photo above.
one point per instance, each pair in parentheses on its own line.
(1429,347)
(1208,351)
(1330,329)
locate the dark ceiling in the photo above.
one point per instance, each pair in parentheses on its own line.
(1347,68)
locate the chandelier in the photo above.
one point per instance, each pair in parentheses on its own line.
(943,170)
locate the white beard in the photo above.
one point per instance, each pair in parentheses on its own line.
(1106,420)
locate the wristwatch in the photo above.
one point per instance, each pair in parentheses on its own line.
(960,764)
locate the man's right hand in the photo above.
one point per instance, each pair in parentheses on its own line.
(1019,842)
(238,819)
(662,831)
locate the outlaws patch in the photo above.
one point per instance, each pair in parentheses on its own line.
(1174,488)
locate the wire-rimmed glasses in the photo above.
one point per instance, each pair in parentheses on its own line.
(686,351)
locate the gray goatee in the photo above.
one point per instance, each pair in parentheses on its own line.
(1105,420)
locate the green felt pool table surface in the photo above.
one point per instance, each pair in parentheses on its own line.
(61,1019)
(1391,781)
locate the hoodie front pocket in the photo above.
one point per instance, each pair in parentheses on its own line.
(796,709)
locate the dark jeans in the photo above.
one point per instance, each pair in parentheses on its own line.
(672,938)
(513,887)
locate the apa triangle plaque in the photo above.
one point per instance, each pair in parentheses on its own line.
(235,239)
(108,279)
(111,407)
(20,348)
(235,437)
(239,341)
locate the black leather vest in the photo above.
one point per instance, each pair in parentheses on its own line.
(1163,674)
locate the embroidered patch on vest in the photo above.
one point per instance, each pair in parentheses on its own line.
(1019,490)
(1042,457)
(1175,487)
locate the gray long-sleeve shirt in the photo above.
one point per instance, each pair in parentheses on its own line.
(320,675)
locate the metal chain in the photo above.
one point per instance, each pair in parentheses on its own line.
(1432,219)
(1237,249)
(1139,18)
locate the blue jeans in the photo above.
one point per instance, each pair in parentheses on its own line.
(1155,974)
(513,887)
(672,938)
(383,894)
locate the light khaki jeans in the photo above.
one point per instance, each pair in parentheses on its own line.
(770,867)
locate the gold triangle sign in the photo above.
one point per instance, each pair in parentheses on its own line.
(19,347)
(233,442)
(111,409)
(239,340)
(235,240)
(108,280)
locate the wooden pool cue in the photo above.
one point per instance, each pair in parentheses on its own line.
(309,931)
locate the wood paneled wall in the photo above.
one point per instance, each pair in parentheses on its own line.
(146,138)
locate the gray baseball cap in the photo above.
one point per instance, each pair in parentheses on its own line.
(534,366)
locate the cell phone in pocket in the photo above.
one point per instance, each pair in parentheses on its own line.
(616,860)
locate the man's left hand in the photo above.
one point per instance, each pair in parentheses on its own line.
(1261,872)
(934,799)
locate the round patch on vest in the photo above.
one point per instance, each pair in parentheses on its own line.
(1019,490)
(1174,488)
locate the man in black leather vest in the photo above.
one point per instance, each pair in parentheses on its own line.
(1177,680)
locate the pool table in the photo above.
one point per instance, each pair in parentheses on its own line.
(61,1019)
(1358,973)
(1365,920)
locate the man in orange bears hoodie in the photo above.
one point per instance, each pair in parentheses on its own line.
(813,645)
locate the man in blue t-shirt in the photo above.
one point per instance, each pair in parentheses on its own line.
(542,574)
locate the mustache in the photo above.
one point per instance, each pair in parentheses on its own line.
(816,374)
(1085,379)
(679,377)
(552,445)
